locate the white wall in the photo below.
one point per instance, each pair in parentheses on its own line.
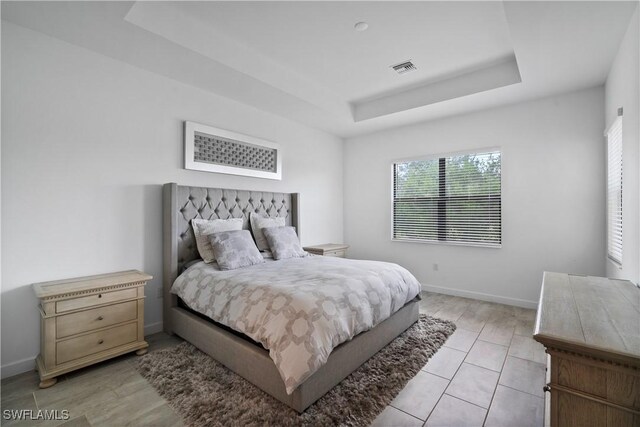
(553,196)
(623,90)
(88,142)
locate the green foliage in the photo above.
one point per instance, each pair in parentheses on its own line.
(473,174)
(417,179)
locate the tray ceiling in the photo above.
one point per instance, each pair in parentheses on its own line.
(306,62)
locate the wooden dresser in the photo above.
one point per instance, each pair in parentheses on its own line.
(328,249)
(590,327)
(89,319)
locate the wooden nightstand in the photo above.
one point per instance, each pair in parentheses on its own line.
(89,319)
(328,249)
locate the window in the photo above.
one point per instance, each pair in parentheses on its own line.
(453,199)
(614,191)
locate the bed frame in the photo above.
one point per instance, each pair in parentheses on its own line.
(252,362)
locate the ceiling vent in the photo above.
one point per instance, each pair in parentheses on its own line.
(404,67)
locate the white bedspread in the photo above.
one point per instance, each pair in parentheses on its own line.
(299,309)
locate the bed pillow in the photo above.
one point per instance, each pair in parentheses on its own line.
(259,223)
(284,242)
(235,249)
(203,228)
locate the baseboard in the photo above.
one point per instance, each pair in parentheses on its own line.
(481,296)
(152,328)
(28,364)
(18,367)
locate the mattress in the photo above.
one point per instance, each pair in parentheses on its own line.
(298,309)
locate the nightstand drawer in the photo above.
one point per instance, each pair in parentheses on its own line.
(83,321)
(337,253)
(97,299)
(75,348)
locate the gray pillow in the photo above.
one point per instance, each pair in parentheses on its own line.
(259,223)
(284,242)
(235,249)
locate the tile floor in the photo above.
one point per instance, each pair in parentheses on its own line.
(489,372)
(109,394)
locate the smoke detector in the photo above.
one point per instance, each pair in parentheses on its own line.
(404,67)
(361,26)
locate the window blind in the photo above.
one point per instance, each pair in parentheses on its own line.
(614,191)
(454,199)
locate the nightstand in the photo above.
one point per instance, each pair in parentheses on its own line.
(328,249)
(89,319)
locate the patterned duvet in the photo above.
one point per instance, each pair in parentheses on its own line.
(299,309)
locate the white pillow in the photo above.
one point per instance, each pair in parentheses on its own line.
(258,223)
(202,228)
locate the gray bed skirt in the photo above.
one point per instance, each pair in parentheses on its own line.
(253,363)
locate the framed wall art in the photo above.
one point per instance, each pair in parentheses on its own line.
(211,149)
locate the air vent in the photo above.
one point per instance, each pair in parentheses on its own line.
(404,67)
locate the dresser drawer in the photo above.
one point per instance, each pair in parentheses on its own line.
(85,345)
(97,299)
(83,321)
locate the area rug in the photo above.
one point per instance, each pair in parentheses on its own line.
(205,393)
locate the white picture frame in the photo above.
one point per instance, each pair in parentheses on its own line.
(194,158)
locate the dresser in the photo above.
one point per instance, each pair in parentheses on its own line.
(89,319)
(328,249)
(590,327)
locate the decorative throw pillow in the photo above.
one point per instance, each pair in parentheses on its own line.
(235,249)
(202,228)
(284,242)
(258,223)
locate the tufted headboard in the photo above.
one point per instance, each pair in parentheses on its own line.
(183,203)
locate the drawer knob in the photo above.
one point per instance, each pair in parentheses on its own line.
(100,318)
(99,295)
(100,342)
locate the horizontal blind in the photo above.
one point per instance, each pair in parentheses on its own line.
(614,191)
(449,199)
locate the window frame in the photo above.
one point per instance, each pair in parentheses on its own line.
(426,157)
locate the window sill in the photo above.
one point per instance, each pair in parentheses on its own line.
(439,243)
(614,263)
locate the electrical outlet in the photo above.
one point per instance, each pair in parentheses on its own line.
(435,267)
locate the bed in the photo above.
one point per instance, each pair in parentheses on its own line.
(237,352)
